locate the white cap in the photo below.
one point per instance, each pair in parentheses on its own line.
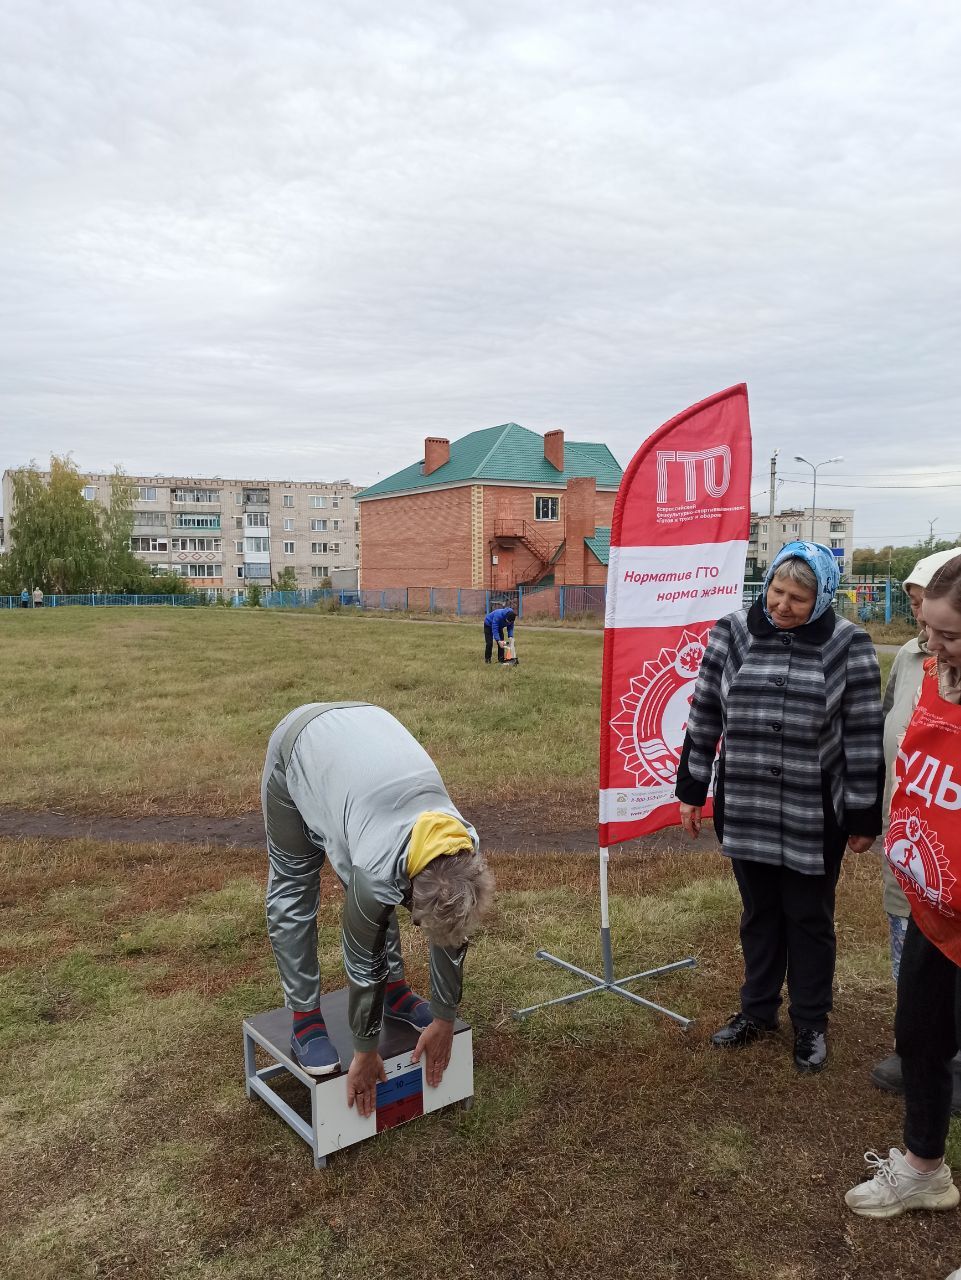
(927,567)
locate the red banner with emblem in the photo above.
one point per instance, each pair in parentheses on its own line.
(678,544)
(923,840)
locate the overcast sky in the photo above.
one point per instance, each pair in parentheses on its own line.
(289,240)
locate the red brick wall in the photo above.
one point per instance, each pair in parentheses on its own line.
(424,540)
(416,540)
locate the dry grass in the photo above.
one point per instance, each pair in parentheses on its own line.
(153,711)
(603,1142)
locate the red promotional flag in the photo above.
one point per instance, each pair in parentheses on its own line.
(678,544)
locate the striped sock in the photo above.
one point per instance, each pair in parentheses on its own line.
(309,1025)
(400,999)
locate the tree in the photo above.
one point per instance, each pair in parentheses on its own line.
(286,580)
(57,542)
(254,595)
(64,542)
(896,561)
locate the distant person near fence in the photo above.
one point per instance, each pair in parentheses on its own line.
(499,626)
(37,598)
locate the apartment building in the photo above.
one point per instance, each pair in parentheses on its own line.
(224,534)
(833,527)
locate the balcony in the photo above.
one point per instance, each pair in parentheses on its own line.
(196,521)
(256,498)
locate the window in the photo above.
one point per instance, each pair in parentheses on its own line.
(239,546)
(764,546)
(288,499)
(89,492)
(837,542)
(147,492)
(784,528)
(253,569)
(149,544)
(838,526)
(754,529)
(794,528)
(335,548)
(259,497)
(318,526)
(195,495)
(257,519)
(238,522)
(356,526)
(195,544)
(257,544)
(240,571)
(288,548)
(318,548)
(336,502)
(545,508)
(288,526)
(320,571)
(318,501)
(239,499)
(199,570)
(150,518)
(335,524)
(196,522)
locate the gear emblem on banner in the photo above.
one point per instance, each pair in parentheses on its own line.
(918,860)
(654,714)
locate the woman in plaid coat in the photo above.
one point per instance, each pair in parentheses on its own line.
(791,694)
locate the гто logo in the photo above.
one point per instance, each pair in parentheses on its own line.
(653,716)
(917,859)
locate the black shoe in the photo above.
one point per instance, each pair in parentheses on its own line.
(956,1094)
(739,1031)
(887,1075)
(810,1050)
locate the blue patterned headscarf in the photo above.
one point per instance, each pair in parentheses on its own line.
(822,564)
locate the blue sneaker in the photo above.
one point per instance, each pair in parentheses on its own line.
(317,1057)
(403,1005)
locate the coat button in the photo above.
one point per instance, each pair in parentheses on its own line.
(776,770)
(778,679)
(785,639)
(776,727)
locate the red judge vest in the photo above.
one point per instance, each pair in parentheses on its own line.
(923,842)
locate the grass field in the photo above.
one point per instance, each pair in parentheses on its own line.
(138,711)
(603,1141)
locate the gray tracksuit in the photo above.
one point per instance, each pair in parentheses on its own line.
(348,781)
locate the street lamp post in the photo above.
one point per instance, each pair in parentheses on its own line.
(814,470)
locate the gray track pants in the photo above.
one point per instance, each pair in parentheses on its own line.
(293,889)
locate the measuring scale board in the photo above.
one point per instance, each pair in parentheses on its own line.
(332,1124)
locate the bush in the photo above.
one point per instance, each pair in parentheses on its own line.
(254,596)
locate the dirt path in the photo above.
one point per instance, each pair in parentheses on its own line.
(527,834)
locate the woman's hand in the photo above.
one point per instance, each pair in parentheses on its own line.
(860,844)
(691,819)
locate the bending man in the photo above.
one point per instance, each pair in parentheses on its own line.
(347,781)
(499,627)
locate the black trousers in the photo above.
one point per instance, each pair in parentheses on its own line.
(927,1029)
(787,930)
(489,644)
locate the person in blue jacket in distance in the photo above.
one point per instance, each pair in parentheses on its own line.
(495,624)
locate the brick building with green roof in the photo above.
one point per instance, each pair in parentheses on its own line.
(499,508)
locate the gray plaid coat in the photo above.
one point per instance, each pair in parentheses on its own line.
(798,716)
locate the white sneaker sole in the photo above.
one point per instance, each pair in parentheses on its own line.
(947,1199)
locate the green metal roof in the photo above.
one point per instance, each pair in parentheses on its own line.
(508,452)
(600,544)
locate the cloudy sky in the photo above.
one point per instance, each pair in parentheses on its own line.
(289,240)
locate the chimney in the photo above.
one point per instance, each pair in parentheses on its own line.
(436,453)
(554,449)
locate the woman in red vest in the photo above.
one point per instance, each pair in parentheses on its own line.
(923,848)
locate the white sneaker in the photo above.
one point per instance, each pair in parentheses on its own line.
(955,1275)
(896,1187)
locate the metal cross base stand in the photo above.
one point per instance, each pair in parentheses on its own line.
(609,983)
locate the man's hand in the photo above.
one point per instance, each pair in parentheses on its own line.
(436,1042)
(691,819)
(362,1077)
(500,644)
(860,844)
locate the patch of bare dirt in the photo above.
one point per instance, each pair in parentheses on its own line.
(527,829)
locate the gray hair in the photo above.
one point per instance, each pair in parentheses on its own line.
(798,571)
(451,897)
